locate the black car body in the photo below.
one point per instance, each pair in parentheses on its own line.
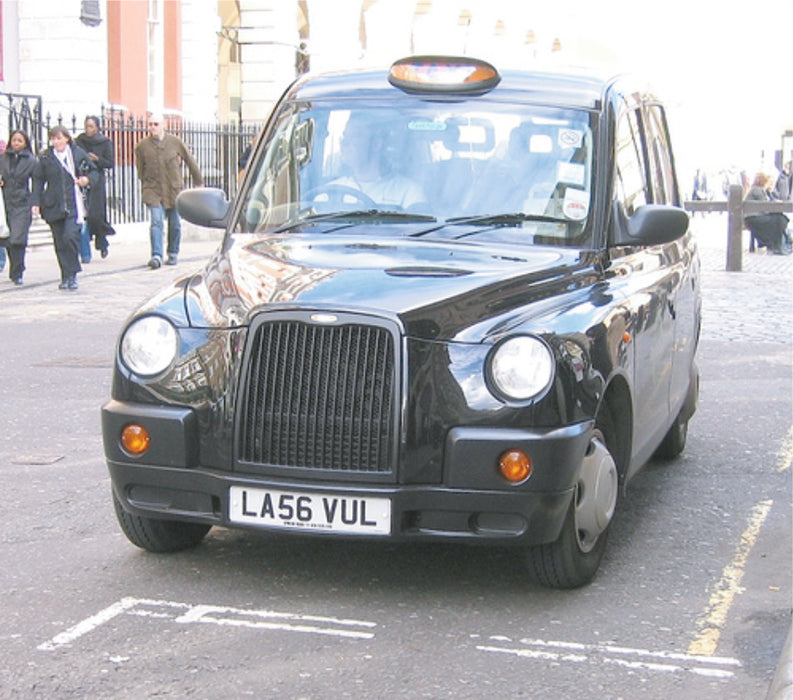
(486,349)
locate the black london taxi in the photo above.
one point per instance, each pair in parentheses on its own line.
(451,303)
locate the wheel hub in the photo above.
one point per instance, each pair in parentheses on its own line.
(596,493)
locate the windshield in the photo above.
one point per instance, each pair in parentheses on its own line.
(513,173)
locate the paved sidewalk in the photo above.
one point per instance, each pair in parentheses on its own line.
(711,233)
(755,304)
(129,250)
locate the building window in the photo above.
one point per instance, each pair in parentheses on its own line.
(155,55)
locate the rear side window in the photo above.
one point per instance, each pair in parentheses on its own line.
(664,184)
(631,185)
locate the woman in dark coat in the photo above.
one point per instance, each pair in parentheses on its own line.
(100,150)
(16,169)
(63,172)
(768,229)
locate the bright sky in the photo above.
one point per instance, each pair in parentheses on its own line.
(724,70)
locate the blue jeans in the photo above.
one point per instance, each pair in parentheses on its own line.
(2,256)
(158,214)
(85,243)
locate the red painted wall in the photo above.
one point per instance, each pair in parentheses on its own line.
(127,30)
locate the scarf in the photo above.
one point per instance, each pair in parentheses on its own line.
(66,159)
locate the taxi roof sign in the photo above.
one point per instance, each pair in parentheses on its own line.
(443,74)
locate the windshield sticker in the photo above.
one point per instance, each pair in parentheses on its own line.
(570,138)
(571,173)
(576,204)
(426,125)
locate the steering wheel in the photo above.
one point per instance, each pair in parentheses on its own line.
(339,196)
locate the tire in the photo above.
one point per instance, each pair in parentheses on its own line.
(674,441)
(158,536)
(574,558)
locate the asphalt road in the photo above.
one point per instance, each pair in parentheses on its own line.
(693,599)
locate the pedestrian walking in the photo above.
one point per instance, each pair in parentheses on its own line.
(699,191)
(17,164)
(61,174)
(100,150)
(158,158)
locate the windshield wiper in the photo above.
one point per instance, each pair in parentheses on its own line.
(381,215)
(506,219)
(511,219)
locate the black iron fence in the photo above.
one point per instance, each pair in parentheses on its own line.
(216,147)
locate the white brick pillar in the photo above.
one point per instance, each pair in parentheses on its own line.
(200,26)
(268,36)
(334,34)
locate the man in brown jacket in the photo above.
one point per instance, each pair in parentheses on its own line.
(158,158)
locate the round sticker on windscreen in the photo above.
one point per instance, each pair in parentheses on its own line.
(576,204)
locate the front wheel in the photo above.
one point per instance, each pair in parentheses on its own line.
(573,559)
(159,536)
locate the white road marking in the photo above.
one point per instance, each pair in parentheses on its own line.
(184,613)
(254,619)
(626,657)
(89,624)
(728,587)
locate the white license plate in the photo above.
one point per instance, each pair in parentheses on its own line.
(310,511)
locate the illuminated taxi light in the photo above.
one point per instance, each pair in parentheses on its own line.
(443,74)
(514,466)
(135,439)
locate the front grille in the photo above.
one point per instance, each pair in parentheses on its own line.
(319,396)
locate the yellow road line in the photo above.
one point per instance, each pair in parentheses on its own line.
(715,615)
(785,456)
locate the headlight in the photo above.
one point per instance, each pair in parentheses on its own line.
(149,345)
(521,368)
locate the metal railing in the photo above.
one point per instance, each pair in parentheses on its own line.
(737,208)
(216,147)
(24,113)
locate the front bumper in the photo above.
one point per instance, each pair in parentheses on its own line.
(471,505)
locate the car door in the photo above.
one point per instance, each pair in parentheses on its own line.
(650,283)
(683,282)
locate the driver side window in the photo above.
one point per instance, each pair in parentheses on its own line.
(270,198)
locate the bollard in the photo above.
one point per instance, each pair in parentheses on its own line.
(734,228)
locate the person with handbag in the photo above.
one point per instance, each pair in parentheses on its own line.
(60,178)
(16,169)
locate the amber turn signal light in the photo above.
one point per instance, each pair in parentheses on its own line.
(514,466)
(135,439)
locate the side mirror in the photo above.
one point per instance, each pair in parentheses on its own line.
(204,206)
(651,224)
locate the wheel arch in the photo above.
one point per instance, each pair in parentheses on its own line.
(615,420)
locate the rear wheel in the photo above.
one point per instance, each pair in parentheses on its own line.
(573,559)
(158,536)
(674,441)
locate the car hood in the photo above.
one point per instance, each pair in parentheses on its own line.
(435,288)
